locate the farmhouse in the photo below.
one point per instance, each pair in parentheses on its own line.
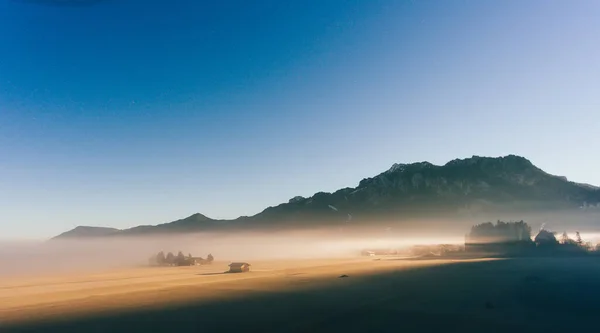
(195,261)
(239,267)
(368,253)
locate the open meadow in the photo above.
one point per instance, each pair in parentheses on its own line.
(384,294)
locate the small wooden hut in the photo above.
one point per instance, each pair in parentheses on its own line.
(239,267)
(367,253)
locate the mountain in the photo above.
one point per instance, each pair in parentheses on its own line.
(407,191)
(196,222)
(84,231)
(423,189)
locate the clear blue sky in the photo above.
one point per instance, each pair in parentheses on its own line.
(126,112)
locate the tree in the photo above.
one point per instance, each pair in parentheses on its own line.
(180,259)
(210,258)
(170,259)
(501,232)
(564,238)
(578,238)
(160,258)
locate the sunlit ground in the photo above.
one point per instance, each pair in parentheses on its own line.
(377,294)
(122,289)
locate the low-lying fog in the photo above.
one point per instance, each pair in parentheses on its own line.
(59,256)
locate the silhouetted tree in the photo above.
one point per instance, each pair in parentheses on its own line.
(180,260)
(564,238)
(578,238)
(210,258)
(160,258)
(170,259)
(501,232)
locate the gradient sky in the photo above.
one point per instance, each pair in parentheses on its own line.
(131,112)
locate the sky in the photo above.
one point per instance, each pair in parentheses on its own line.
(121,113)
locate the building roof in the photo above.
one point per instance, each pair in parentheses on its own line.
(239,264)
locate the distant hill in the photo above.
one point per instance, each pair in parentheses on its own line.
(83,231)
(406,191)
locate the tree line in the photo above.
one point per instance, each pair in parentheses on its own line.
(500,232)
(180,259)
(516,238)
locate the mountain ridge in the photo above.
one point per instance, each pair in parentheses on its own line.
(404,190)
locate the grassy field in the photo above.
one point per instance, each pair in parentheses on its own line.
(386,295)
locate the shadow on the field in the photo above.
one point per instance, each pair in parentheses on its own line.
(518,295)
(418,259)
(436,257)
